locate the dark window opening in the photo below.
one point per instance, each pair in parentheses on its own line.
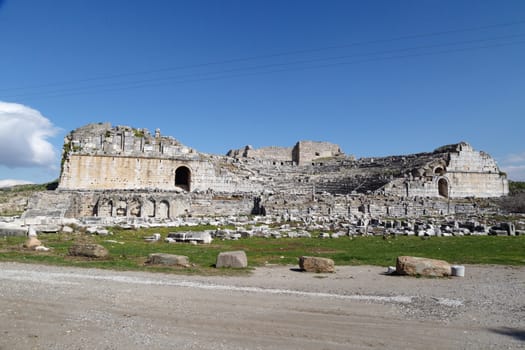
(182,178)
(443,188)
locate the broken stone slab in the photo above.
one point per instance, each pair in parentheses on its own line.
(102,232)
(496,232)
(236,259)
(41,248)
(12,230)
(153,238)
(168,259)
(92,230)
(49,228)
(88,250)
(67,229)
(316,264)
(416,266)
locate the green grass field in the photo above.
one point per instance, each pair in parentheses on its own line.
(130,251)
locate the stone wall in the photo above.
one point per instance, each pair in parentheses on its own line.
(129,172)
(53,206)
(461,172)
(304,152)
(308,151)
(108,172)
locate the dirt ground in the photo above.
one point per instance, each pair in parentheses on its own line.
(45,307)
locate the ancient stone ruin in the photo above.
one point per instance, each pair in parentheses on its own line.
(127,172)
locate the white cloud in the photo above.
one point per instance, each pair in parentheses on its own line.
(515,158)
(514,166)
(12,182)
(23,137)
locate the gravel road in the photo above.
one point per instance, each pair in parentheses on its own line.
(46,307)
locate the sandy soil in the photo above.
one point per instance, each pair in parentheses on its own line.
(44,307)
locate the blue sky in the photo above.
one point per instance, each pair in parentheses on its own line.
(376,77)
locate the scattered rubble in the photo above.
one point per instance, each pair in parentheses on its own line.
(287,226)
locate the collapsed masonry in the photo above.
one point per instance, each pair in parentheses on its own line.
(126,172)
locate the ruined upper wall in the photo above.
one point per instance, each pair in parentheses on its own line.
(456,171)
(101,157)
(274,153)
(103,139)
(303,152)
(308,151)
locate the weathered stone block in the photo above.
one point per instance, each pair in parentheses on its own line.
(67,229)
(168,259)
(415,266)
(235,259)
(316,264)
(88,250)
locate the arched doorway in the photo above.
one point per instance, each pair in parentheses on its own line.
(104,208)
(443,187)
(164,210)
(149,208)
(439,171)
(122,208)
(183,178)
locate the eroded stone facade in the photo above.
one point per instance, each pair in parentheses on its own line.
(125,172)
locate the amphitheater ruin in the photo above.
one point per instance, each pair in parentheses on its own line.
(128,172)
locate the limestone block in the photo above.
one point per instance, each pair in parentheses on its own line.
(67,229)
(316,264)
(168,259)
(88,250)
(416,266)
(235,259)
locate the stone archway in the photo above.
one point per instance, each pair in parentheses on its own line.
(164,210)
(439,171)
(183,178)
(149,208)
(134,208)
(104,208)
(443,189)
(121,208)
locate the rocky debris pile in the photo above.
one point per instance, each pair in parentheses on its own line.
(290,225)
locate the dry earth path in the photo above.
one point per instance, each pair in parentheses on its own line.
(46,307)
